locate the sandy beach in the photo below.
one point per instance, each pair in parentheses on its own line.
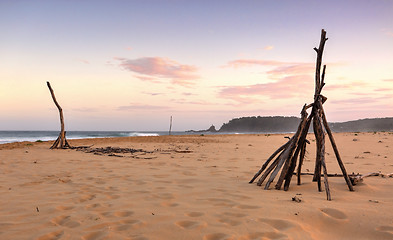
(190,187)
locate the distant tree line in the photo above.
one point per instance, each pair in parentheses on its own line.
(261,124)
(276,124)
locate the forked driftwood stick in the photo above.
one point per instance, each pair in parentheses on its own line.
(359,178)
(61,141)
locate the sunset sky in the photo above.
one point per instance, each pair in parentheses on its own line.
(130,65)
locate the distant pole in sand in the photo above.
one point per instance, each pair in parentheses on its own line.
(289,152)
(61,141)
(170,126)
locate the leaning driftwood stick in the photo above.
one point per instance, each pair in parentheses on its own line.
(268,161)
(303,150)
(321,152)
(293,157)
(284,156)
(300,148)
(333,142)
(269,169)
(61,141)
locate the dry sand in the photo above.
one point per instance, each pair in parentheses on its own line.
(190,187)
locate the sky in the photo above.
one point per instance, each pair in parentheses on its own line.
(130,65)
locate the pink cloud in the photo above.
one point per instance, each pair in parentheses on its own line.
(350,85)
(83,61)
(148,79)
(268,48)
(136,107)
(287,87)
(388,80)
(161,68)
(251,62)
(362,101)
(153,93)
(383,90)
(85,110)
(387,32)
(292,79)
(295,69)
(280,68)
(186,101)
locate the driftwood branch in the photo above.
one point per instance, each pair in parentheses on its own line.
(61,141)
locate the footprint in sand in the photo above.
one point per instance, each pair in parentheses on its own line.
(216,236)
(188,224)
(388,229)
(232,214)
(278,224)
(94,235)
(230,222)
(194,214)
(52,235)
(334,213)
(93,206)
(264,235)
(125,225)
(64,208)
(164,196)
(112,196)
(123,213)
(242,206)
(87,197)
(139,238)
(221,202)
(65,221)
(169,204)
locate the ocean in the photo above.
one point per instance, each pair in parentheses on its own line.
(32,136)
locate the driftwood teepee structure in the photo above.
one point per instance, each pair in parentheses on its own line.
(291,154)
(61,141)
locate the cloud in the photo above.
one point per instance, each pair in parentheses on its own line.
(383,90)
(160,68)
(366,100)
(148,79)
(188,94)
(136,107)
(186,101)
(153,93)
(387,32)
(290,80)
(250,62)
(286,87)
(350,85)
(85,110)
(83,61)
(279,68)
(388,80)
(294,69)
(268,48)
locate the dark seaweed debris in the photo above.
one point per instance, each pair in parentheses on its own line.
(111,151)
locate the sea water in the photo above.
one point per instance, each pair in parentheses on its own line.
(32,136)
